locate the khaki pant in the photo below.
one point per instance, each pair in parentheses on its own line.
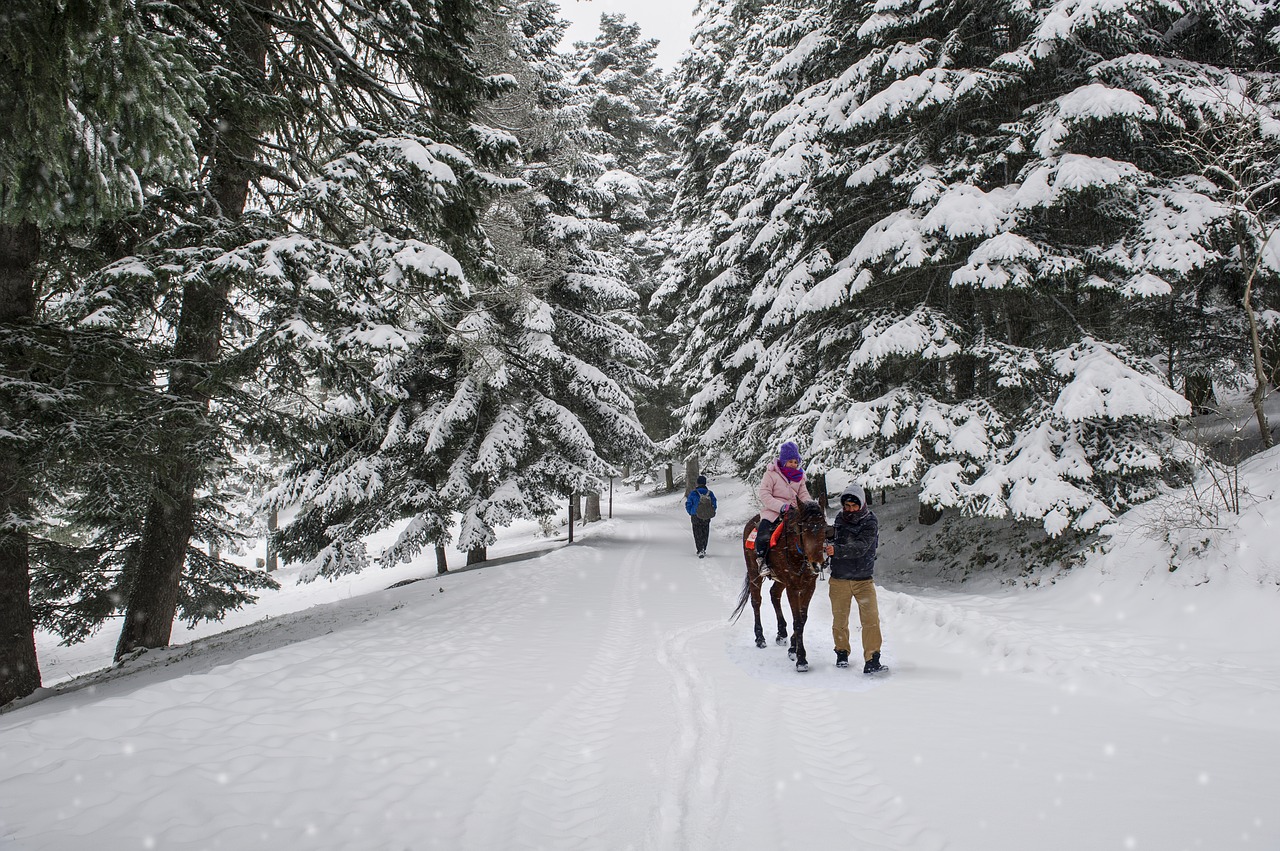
(843,592)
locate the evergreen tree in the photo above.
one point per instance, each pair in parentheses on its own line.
(525,396)
(95,96)
(626,174)
(749,60)
(951,237)
(290,84)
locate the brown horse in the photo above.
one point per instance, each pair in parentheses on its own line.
(795,561)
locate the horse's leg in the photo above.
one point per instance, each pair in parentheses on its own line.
(755,582)
(801,614)
(775,594)
(796,648)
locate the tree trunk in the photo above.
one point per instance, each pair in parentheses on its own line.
(573,500)
(442,563)
(819,490)
(1259,368)
(157,567)
(593,508)
(19,669)
(273,522)
(929,514)
(477,555)
(690,473)
(1197,388)
(671,481)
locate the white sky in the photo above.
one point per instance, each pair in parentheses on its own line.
(669,21)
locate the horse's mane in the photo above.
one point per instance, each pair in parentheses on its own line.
(806,511)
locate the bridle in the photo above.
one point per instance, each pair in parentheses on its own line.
(810,523)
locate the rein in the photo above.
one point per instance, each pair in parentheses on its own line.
(797,536)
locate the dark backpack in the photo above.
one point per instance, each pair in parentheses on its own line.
(706,508)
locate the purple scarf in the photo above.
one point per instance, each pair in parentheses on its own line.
(791,475)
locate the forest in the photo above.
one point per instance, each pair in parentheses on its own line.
(316,269)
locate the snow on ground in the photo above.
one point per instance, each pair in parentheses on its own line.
(596,697)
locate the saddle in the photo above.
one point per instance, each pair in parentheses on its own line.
(773,538)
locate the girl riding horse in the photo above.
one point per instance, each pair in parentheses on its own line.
(782,487)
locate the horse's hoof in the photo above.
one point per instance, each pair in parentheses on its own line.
(780,640)
(760,642)
(791,654)
(802,666)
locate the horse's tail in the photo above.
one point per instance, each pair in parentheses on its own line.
(742,600)
(750,560)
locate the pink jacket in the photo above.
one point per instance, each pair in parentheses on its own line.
(775,492)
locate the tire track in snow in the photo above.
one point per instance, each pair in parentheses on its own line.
(553,770)
(874,817)
(438,792)
(691,809)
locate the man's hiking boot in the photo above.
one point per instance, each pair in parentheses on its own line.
(762,567)
(842,658)
(873,664)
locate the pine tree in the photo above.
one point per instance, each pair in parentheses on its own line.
(749,61)
(627,173)
(949,240)
(96,96)
(524,397)
(230,242)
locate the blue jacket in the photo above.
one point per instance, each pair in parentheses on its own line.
(856,538)
(694,497)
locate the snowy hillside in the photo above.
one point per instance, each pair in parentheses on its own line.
(596,697)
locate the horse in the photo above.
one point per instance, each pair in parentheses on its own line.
(795,561)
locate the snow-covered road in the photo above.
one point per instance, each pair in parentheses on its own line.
(597,698)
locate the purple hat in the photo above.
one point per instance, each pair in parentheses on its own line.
(788,451)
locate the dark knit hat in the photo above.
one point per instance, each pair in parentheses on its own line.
(788,451)
(702,481)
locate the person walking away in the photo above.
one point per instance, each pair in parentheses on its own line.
(856,535)
(701,507)
(783,486)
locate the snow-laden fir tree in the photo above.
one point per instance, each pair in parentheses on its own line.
(748,61)
(617,92)
(528,397)
(95,97)
(978,219)
(625,172)
(263,289)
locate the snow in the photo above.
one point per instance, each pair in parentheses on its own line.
(1097,102)
(425,260)
(1102,385)
(595,696)
(964,211)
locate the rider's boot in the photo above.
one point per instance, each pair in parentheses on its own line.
(762,566)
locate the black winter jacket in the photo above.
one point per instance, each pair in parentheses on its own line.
(856,538)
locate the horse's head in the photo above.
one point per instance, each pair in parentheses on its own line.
(808,526)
